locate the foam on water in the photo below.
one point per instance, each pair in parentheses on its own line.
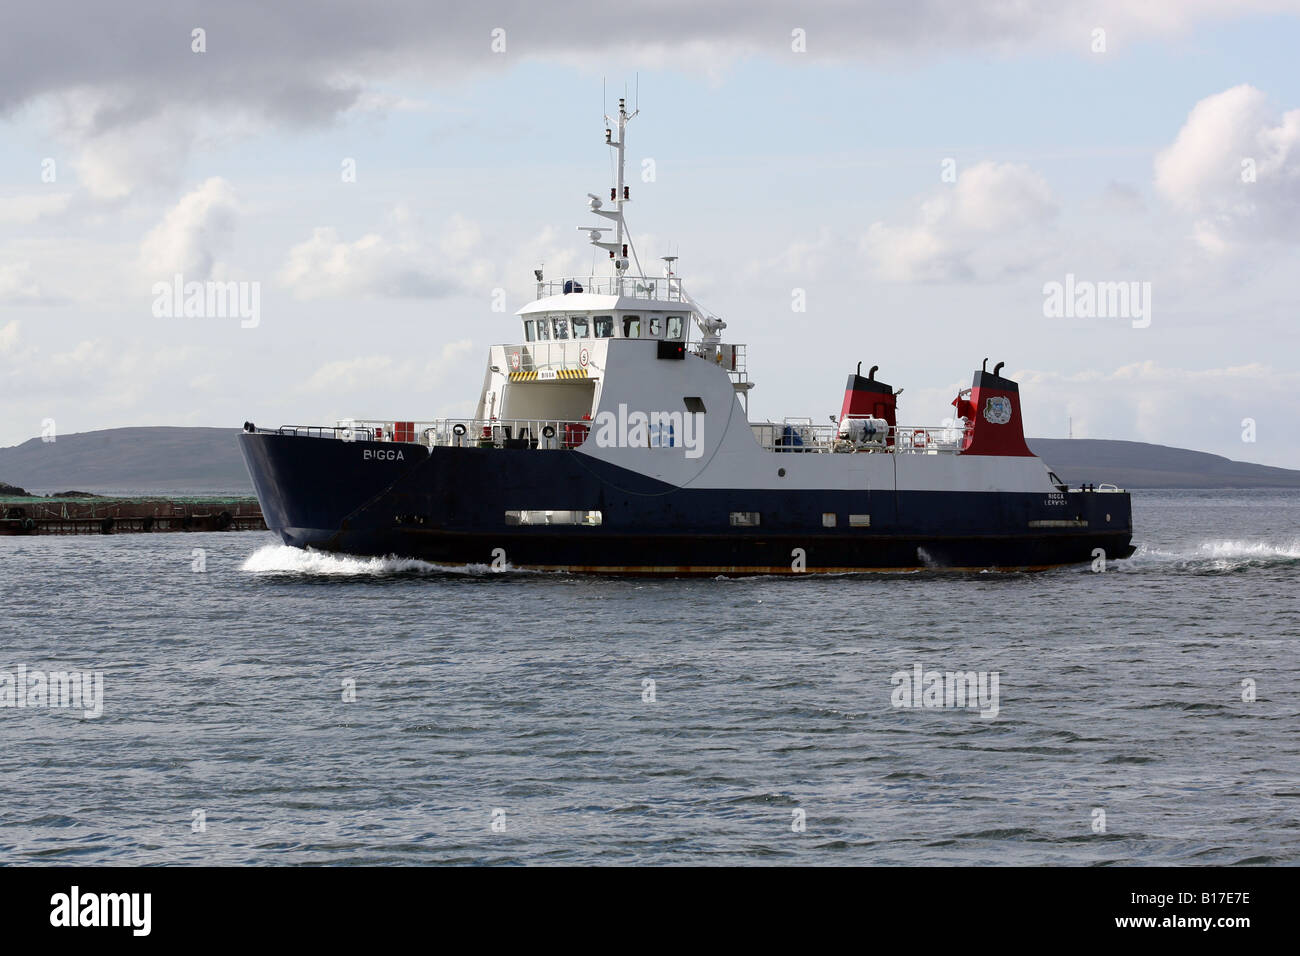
(1223,555)
(282,559)
(1206,557)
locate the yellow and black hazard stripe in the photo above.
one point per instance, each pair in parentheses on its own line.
(559,374)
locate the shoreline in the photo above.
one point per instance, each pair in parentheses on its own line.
(129,515)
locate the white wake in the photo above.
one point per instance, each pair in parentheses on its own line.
(1223,555)
(282,559)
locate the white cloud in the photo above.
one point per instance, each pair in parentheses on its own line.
(18,286)
(1120,199)
(119,141)
(85,355)
(26,209)
(350,374)
(325,266)
(407,265)
(9,336)
(967,231)
(192,234)
(1147,401)
(364,372)
(460,238)
(1205,172)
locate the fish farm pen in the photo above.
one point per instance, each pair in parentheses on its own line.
(101,515)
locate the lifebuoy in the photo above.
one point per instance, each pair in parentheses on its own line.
(920,438)
(583,358)
(458,429)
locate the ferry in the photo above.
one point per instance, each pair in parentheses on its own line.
(613,437)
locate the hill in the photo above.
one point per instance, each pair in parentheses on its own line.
(130,460)
(1133,464)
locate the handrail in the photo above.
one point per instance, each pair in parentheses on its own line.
(787,436)
(506,433)
(793,436)
(650,288)
(554,354)
(452,432)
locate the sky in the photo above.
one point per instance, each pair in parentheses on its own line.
(901,184)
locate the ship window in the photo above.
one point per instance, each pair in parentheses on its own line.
(745,519)
(674,326)
(561,328)
(581,327)
(694,404)
(529,334)
(604,326)
(656,326)
(859,521)
(828,519)
(543,330)
(631,326)
(539,516)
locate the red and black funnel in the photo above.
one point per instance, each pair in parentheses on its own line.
(869,397)
(992,411)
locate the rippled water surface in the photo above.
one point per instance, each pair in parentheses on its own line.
(519,698)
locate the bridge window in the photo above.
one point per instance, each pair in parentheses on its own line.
(604,326)
(529,334)
(674,326)
(581,327)
(631,326)
(543,330)
(561,328)
(656,326)
(745,519)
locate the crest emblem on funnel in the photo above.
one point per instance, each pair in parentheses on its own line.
(997,410)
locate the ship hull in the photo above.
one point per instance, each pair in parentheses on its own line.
(451,506)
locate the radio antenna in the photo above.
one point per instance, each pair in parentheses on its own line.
(619,195)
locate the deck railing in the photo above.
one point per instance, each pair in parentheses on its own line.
(505,433)
(454,432)
(557,354)
(551,355)
(793,435)
(801,435)
(652,288)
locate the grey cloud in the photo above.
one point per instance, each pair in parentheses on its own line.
(297,62)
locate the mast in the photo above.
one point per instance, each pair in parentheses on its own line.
(620,189)
(618,195)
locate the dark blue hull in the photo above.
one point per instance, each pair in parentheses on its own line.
(449,506)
